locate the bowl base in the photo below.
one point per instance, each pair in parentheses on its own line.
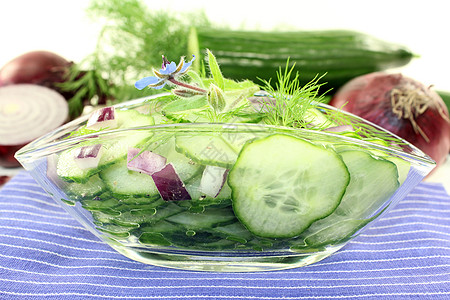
(224,263)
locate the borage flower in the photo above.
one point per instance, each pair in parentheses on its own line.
(168,73)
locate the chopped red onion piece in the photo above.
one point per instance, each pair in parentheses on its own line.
(144,162)
(212,181)
(169,184)
(88,156)
(341,128)
(102,118)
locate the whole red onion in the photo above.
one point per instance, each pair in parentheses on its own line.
(50,70)
(35,67)
(401,105)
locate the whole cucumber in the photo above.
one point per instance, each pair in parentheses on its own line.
(137,35)
(340,55)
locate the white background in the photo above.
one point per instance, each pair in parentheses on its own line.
(62,26)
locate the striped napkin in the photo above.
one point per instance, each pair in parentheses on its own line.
(46,254)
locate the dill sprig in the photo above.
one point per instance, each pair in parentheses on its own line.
(292,105)
(291,101)
(134,37)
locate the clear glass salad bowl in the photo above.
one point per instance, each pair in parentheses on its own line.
(225,197)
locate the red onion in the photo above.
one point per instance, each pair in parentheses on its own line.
(340,128)
(27,111)
(36,67)
(146,162)
(401,105)
(102,118)
(88,157)
(49,69)
(169,184)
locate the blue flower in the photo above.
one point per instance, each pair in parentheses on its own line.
(168,72)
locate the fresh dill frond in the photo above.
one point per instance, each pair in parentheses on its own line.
(133,38)
(291,101)
(291,105)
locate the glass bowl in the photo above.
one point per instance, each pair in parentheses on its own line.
(227,197)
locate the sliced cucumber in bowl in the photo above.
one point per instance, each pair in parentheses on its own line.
(280,200)
(372,182)
(113,150)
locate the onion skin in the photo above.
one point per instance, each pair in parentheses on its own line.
(169,184)
(36,67)
(369,96)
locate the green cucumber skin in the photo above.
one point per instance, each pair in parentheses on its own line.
(93,187)
(340,54)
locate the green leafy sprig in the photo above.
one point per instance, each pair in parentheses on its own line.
(84,87)
(133,39)
(293,105)
(290,101)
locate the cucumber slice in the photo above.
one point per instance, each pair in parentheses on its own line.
(341,231)
(93,187)
(160,227)
(200,200)
(67,168)
(207,149)
(281,184)
(217,149)
(125,183)
(403,167)
(114,230)
(136,217)
(209,218)
(372,182)
(185,167)
(233,232)
(155,234)
(99,204)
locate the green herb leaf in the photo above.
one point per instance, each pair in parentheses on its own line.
(180,105)
(291,103)
(215,70)
(133,38)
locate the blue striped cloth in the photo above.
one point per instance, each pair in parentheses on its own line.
(46,254)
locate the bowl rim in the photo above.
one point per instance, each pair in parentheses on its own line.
(52,142)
